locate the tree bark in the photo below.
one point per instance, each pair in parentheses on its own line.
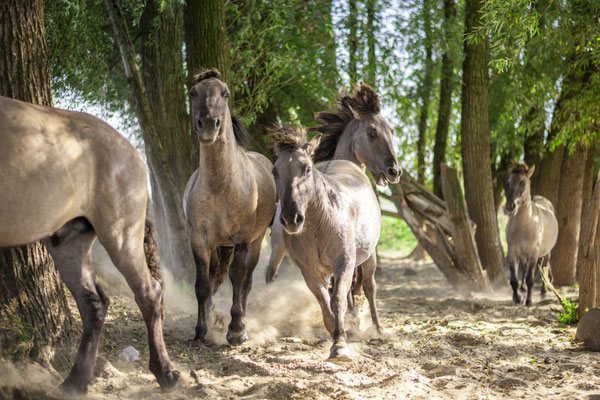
(475,149)
(352,41)
(425,92)
(568,213)
(589,255)
(588,179)
(534,144)
(371,43)
(445,107)
(206,38)
(158,103)
(35,320)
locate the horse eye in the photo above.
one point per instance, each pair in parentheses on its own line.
(226,95)
(192,93)
(308,171)
(372,133)
(274,172)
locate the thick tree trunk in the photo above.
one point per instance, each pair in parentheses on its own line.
(568,214)
(154,101)
(35,321)
(206,38)
(445,107)
(425,92)
(588,179)
(352,41)
(475,149)
(589,255)
(371,43)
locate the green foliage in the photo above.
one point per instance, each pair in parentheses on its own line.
(396,236)
(571,314)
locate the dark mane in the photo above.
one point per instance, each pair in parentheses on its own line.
(239,131)
(206,74)
(364,104)
(520,168)
(287,138)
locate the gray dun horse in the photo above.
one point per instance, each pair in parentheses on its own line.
(356,132)
(229,202)
(531,231)
(69,177)
(331,222)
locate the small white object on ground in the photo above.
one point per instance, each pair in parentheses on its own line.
(129,353)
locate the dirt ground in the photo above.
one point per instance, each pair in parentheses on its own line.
(438,344)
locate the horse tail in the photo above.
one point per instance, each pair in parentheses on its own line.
(151,251)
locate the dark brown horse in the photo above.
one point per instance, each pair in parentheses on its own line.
(531,231)
(69,177)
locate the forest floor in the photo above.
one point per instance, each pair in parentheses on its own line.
(438,344)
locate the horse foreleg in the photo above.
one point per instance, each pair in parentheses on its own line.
(251,261)
(514,283)
(339,302)
(277,248)
(236,333)
(319,287)
(370,287)
(204,290)
(531,265)
(73,261)
(544,262)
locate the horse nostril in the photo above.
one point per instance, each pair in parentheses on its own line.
(217,123)
(392,171)
(200,124)
(299,219)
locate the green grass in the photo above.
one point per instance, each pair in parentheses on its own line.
(396,236)
(571,314)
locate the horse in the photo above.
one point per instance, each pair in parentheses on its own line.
(354,131)
(69,178)
(331,222)
(229,203)
(531,231)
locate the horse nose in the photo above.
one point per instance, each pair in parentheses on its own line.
(217,123)
(199,124)
(510,206)
(299,219)
(210,124)
(392,172)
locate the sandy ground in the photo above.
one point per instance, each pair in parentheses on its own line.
(438,344)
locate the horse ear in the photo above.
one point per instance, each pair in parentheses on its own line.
(530,172)
(312,145)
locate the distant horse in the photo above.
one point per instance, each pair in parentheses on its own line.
(331,220)
(531,231)
(356,132)
(69,177)
(229,202)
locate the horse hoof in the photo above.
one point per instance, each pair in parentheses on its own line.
(168,382)
(339,354)
(194,344)
(522,289)
(517,299)
(72,388)
(528,303)
(236,340)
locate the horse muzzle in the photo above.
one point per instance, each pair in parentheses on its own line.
(208,129)
(294,225)
(510,209)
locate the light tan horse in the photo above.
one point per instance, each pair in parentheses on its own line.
(354,131)
(229,202)
(531,231)
(331,220)
(69,177)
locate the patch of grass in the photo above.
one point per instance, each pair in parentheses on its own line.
(396,236)
(571,314)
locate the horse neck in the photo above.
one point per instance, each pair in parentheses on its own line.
(525,211)
(345,146)
(320,206)
(220,160)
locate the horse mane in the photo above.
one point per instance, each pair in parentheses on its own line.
(519,168)
(364,104)
(287,138)
(239,131)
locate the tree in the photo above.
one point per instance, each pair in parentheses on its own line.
(35,321)
(589,255)
(445,105)
(475,148)
(352,40)
(371,73)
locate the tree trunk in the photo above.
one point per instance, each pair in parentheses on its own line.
(206,38)
(425,92)
(352,41)
(257,131)
(534,144)
(159,106)
(371,43)
(568,213)
(588,179)
(445,107)
(589,255)
(475,149)
(35,321)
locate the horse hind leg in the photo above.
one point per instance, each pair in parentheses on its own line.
(370,288)
(530,266)
(544,262)
(71,247)
(277,249)
(134,253)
